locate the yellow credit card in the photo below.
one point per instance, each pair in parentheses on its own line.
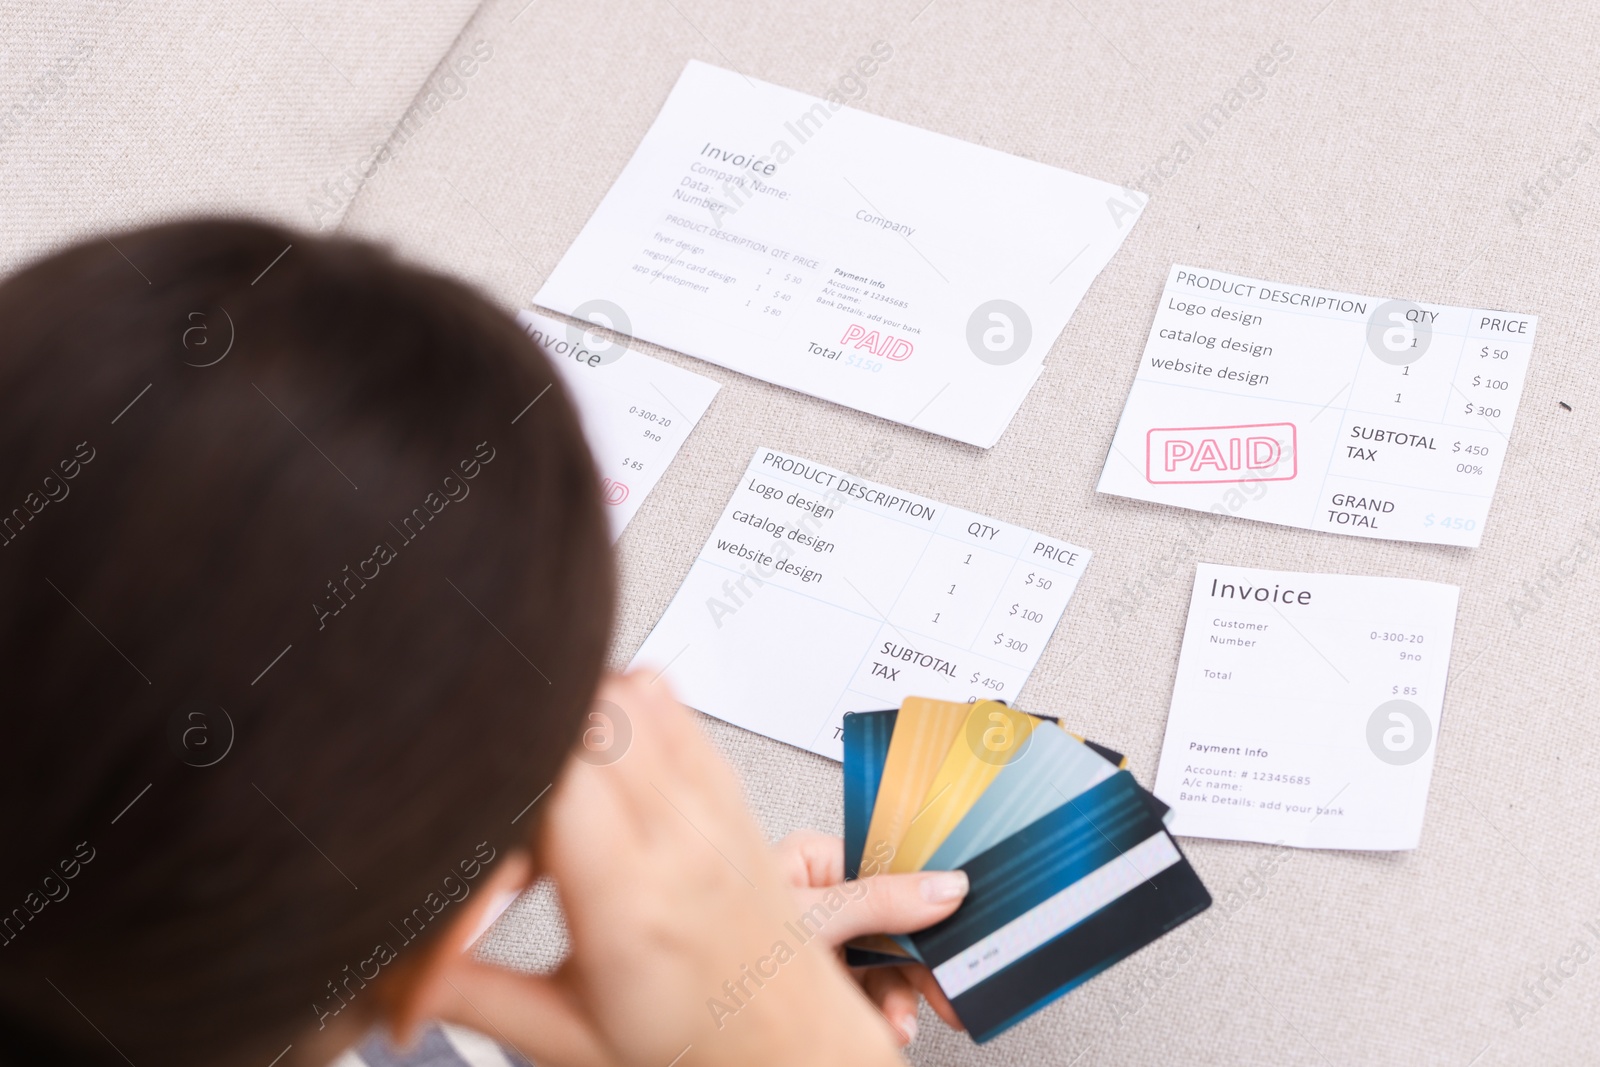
(990,736)
(924,730)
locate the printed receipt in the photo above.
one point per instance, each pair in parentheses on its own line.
(845,255)
(820,593)
(636,410)
(1307,708)
(1322,410)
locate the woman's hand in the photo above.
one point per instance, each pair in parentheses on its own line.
(876,904)
(689,945)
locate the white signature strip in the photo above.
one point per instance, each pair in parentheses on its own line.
(1054,916)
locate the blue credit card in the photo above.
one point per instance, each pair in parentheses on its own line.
(1088,884)
(866,748)
(1054,768)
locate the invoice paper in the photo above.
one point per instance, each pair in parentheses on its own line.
(901,272)
(1307,708)
(1327,411)
(820,593)
(636,410)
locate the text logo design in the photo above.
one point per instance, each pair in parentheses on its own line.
(607,732)
(1260,452)
(612,491)
(1399,732)
(200,734)
(999,332)
(884,346)
(1399,332)
(601,313)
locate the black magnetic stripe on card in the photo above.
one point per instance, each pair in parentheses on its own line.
(1040,860)
(1115,932)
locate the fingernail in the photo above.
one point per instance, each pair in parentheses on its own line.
(944,886)
(908,1028)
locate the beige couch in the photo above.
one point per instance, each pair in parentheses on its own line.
(1439,152)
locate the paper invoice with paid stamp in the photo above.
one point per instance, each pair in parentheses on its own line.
(1323,410)
(894,270)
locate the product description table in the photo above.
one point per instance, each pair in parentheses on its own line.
(1323,410)
(819,593)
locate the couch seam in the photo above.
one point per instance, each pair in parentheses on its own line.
(411,103)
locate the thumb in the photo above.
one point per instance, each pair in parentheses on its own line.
(882,904)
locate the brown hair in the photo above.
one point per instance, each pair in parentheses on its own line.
(300,606)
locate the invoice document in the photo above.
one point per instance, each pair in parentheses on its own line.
(636,410)
(820,593)
(1322,410)
(1307,708)
(877,265)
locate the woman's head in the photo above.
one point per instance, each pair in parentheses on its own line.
(300,605)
